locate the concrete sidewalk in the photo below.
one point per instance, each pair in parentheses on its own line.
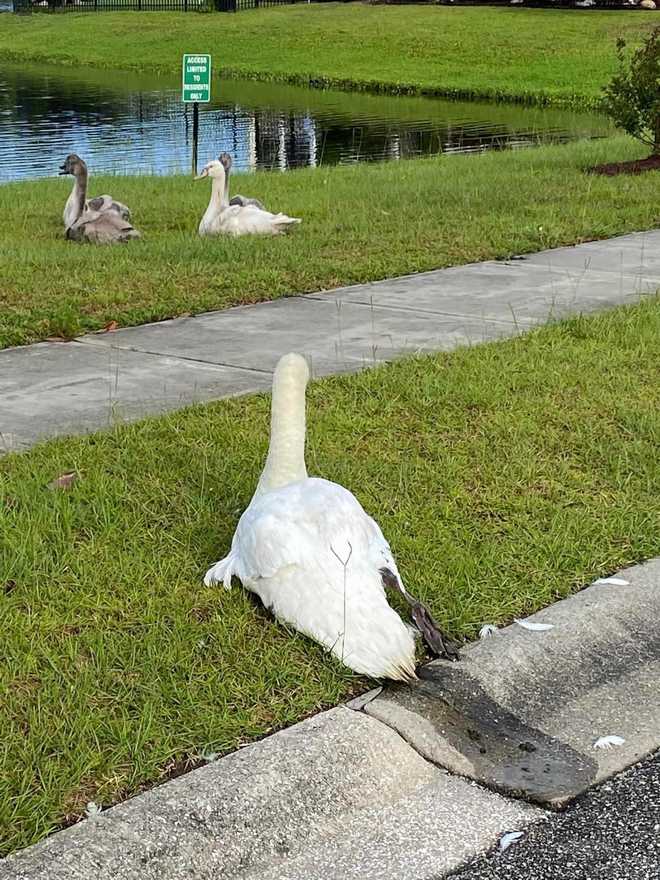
(51,389)
(362,792)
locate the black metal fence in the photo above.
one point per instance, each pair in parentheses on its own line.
(111,5)
(145,5)
(237,5)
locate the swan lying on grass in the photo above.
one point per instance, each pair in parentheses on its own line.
(221,218)
(101,220)
(78,203)
(307,548)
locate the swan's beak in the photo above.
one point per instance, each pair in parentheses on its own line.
(204,173)
(63,170)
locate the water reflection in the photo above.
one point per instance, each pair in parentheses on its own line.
(123,122)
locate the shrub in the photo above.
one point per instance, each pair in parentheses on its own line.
(632,97)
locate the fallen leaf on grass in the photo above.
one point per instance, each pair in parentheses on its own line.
(534,627)
(111,327)
(65,481)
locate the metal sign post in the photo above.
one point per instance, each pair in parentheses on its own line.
(196,90)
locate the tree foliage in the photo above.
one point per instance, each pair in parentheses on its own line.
(632,97)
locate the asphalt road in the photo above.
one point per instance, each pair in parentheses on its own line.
(611,833)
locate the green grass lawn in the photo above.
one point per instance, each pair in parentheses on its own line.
(513,54)
(504,476)
(360,223)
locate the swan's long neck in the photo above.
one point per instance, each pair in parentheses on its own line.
(286,453)
(79,193)
(216,203)
(219,191)
(225,197)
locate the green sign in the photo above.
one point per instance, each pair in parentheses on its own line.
(196,79)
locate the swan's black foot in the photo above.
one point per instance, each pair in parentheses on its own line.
(433,635)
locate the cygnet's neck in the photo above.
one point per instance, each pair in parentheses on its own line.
(79,192)
(225,194)
(286,453)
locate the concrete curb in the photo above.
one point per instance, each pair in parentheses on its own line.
(522,711)
(339,783)
(344,795)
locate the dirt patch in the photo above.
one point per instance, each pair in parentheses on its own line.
(637,166)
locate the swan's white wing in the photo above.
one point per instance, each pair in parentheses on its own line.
(313,556)
(250,220)
(325,518)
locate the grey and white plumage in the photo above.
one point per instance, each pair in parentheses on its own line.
(78,202)
(243,201)
(101,227)
(100,220)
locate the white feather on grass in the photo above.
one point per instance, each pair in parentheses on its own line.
(616,582)
(609,742)
(534,627)
(489,629)
(510,837)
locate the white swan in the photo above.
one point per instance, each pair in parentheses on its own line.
(221,218)
(78,203)
(244,201)
(307,548)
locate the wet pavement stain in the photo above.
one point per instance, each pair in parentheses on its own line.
(500,749)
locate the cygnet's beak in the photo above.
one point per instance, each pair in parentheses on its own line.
(63,170)
(204,173)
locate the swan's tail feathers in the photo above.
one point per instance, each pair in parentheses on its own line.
(221,571)
(433,635)
(402,672)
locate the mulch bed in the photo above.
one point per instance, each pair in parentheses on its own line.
(637,166)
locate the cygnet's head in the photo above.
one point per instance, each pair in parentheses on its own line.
(214,169)
(73,164)
(226,160)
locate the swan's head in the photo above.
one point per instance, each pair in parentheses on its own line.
(291,368)
(73,164)
(226,160)
(214,169)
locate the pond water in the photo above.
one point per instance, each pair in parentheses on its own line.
(128,123)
